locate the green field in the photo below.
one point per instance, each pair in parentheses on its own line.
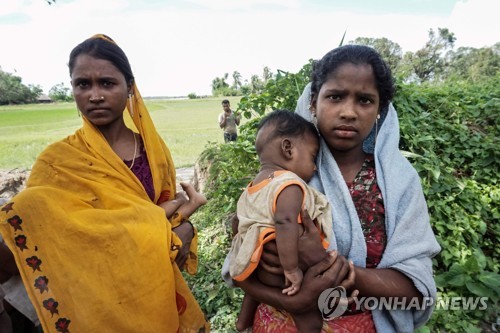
(185,125)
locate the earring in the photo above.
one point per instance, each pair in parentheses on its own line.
(314,120)
(131,105)
(376,127)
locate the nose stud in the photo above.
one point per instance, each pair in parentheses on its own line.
(92,99)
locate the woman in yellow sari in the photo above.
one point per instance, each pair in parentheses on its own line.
(93,247)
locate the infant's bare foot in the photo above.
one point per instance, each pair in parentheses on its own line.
(194,197)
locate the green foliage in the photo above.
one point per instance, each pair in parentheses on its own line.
(468,63)
(226,181)
(453,130)
(13,91)
(450,134)
(219,302)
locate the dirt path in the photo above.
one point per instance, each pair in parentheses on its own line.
(185,174)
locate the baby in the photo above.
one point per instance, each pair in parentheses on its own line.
(269,208)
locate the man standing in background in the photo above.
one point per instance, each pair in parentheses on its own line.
(229,121)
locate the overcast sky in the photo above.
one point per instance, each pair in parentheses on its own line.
(177,47)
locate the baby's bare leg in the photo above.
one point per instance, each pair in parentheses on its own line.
(247,313)
(196,200)
(308,322)
(195,197)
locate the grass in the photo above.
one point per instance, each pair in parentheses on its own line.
(185,125)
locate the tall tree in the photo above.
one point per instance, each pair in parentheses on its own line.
(236,80)
(429,62)
(469,63)
(256,84)
(219,84)
(266,74)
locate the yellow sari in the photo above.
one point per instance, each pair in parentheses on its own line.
(95,253)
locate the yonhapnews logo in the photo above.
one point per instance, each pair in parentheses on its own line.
(333,303)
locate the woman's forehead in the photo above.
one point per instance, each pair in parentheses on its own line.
(86,65)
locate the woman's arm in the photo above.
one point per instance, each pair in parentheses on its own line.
(171,206)
(185,231)
(385,282)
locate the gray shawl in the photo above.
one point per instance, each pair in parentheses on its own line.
(410,240)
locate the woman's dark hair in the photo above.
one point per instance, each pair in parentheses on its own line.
(100,48)
(357,55)
(286,124)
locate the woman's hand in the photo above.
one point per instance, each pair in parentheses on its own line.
(330,272)
(185,232)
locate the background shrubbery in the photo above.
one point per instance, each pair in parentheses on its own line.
(450,131)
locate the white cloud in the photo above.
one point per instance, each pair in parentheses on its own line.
(175,52)
(475,23)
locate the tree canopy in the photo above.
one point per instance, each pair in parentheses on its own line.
(13,91)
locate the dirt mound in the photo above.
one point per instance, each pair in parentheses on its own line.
(11,182)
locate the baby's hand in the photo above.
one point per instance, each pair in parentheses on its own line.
(293,279)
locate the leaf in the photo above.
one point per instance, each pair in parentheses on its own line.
(211,295)
(458,280)
(435,174)
(456,276)
(491,280)
(440,280)
(479,289)
(471,265)
(481,259)
(423,329)
(409,154)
